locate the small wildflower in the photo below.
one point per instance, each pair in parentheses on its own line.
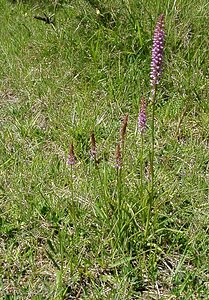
(71,157)
(142,119)
(93,150)
(123,128)
(157,53)
(118,157)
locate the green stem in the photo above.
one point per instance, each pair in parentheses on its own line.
(119,190)
(152,154)
(72,193)
(141,176)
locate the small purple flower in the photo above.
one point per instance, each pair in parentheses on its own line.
(157,53)
(142,118)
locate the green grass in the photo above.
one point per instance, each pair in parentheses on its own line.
(79,234)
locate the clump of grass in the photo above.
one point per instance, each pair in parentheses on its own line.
(84,231)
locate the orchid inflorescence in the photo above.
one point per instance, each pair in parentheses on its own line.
(157,53)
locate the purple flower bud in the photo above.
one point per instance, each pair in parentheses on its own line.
(142,118)
(93,150)
(71,157)
(157,52)
(123,129)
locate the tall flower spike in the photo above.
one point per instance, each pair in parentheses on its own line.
(157,53)
(71,157)
(123,128)
(142,118)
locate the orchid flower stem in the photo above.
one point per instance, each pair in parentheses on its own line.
(156,71)
(152,175)
(72,192)
(142,175)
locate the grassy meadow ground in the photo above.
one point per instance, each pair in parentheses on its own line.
(78,232)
